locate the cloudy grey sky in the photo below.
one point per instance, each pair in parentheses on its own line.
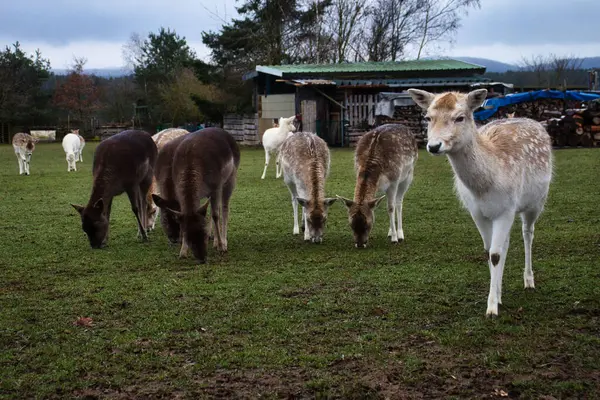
(504,30)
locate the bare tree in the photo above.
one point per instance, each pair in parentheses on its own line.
(539,66)
(346,20)
(440,19)
(132,52)
(563,66)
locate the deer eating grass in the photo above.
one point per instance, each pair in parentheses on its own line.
(305,162)
(385,159)
(205,165)
(165,188)
(161,139)
(272,140)
(122,163)
(72,146)
(24,145)
(502,169)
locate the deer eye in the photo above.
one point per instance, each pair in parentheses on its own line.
(428,119)
(459,119)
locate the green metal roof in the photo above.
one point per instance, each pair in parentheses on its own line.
(452,81)
(387,66)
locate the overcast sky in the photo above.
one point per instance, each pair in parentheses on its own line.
(503,30)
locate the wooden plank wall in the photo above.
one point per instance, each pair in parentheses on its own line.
(360,108)
(244,128)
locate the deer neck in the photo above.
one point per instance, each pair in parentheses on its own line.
(315,187)
(472,166)
(366,185)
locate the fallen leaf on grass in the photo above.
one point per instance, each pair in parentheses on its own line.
(83,321)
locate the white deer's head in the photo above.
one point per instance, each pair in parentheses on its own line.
(449,117)
(288,124)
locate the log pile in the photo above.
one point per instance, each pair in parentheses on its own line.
(567,123)
(244,128)
(410,116)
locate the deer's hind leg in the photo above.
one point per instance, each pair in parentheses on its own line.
(135,195)
(215,209)
(227,191)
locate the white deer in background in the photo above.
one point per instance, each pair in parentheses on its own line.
(272,140)
(72,146)
(503,169)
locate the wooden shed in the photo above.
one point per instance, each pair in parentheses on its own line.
(333,99)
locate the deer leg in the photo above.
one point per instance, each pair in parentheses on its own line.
(26,164)
(402,188)
(484,226)
(304,221)
(528,228)
(267,158)
(20,161)
(215,208)
(498,250)
(278,169)
(227,191)
(391,209)
(134,195)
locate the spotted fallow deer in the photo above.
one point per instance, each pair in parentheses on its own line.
(305,161)
(205,165)
(501,169)
(122,163)
(24,145)
(385,159)
(161,139)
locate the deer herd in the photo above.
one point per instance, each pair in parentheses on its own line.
(501,169)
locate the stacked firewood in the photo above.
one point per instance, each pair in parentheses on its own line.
(566,121)
(410,116)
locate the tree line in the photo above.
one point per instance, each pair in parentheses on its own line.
(170,84)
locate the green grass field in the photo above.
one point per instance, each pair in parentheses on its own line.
(277,317)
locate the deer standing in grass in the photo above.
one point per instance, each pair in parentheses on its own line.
(205,165)
(161,139)
(502,169)
(385,159)
(122,163)
(72,147)
(305,161)
(272,140)
(24,145)
(164,186)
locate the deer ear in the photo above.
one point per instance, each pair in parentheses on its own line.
(99,204)
(302,202)
(78,208)
(159,201)
(203,208)
(375,203)
(421,97)
(476,98)
(329,201)
(347,202)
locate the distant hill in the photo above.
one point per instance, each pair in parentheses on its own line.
(101,72)
(490,65)
(498,66)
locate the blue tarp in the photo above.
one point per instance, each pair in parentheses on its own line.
(491,105)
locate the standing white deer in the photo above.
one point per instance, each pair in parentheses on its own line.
(503,169)
(72,146)
(272,140)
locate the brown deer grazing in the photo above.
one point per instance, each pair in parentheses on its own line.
(304,159)
(24,145)
(165,188)
(385,159)
(122,163)
(161,139)
(205,164)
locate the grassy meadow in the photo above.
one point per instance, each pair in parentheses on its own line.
(280,318)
